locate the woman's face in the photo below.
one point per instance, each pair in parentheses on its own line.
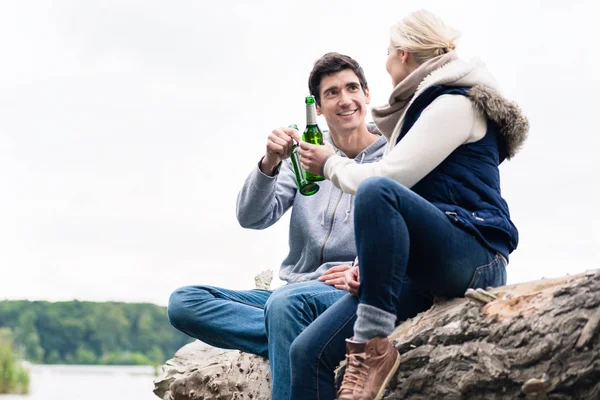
(396,64)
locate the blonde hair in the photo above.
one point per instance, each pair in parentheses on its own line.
(424,35)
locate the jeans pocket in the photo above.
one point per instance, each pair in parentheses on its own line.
(492,274)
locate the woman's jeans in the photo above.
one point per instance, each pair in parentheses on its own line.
(409,252)
(261,322)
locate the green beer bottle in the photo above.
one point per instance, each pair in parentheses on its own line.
(312,133)
(304,186)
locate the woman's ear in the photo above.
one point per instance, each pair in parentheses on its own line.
(403,57)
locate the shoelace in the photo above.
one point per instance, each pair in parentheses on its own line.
(357,371)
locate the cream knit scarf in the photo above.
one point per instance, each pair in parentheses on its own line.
(386,117)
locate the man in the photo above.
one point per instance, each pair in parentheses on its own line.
(321,237)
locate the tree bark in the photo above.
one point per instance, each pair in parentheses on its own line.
(201,372)
(536,340)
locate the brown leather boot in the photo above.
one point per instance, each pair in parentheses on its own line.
(369,368)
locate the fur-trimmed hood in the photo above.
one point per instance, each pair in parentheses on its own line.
(486,97)
(512,122)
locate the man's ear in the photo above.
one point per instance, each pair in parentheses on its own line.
(367,96)
(318,109)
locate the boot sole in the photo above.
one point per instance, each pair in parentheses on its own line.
(388,378)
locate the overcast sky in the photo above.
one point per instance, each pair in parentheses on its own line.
(128,127)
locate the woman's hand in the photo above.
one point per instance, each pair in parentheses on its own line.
(351,281)
(342,277)
(313,157)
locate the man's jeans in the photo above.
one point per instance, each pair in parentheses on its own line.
(261,322)
(409,252)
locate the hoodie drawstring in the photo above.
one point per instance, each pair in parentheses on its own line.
(349,209)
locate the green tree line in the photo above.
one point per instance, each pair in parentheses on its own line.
(13,377)
(81,332)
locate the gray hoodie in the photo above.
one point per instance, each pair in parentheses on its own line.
(321,226)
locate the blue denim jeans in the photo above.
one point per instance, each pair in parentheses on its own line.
(409,252)
(261,322)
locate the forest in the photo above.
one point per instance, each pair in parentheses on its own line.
(80,332)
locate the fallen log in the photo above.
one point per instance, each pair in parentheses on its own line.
(534,340)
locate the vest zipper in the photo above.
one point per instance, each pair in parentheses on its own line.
(330,229)
(452,214)
(477,218)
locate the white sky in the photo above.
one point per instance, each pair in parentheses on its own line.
(127,128)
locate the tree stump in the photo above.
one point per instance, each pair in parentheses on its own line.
(535,340)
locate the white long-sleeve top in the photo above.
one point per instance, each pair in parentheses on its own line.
(447,123)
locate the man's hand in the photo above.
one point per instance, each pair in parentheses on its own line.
(344,277)
(313,156)
(279,147)
(334,275)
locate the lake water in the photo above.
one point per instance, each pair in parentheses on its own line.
(74,382)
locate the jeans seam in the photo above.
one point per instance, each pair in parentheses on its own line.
(238,301)
(325,345)
(482,267)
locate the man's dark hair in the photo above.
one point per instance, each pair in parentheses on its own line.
(329,64)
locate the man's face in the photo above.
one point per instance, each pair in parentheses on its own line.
(343,102)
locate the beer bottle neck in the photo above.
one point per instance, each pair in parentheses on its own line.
(311,114)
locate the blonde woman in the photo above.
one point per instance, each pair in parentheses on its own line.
(429,217)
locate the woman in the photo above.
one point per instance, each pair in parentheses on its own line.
(429,217)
